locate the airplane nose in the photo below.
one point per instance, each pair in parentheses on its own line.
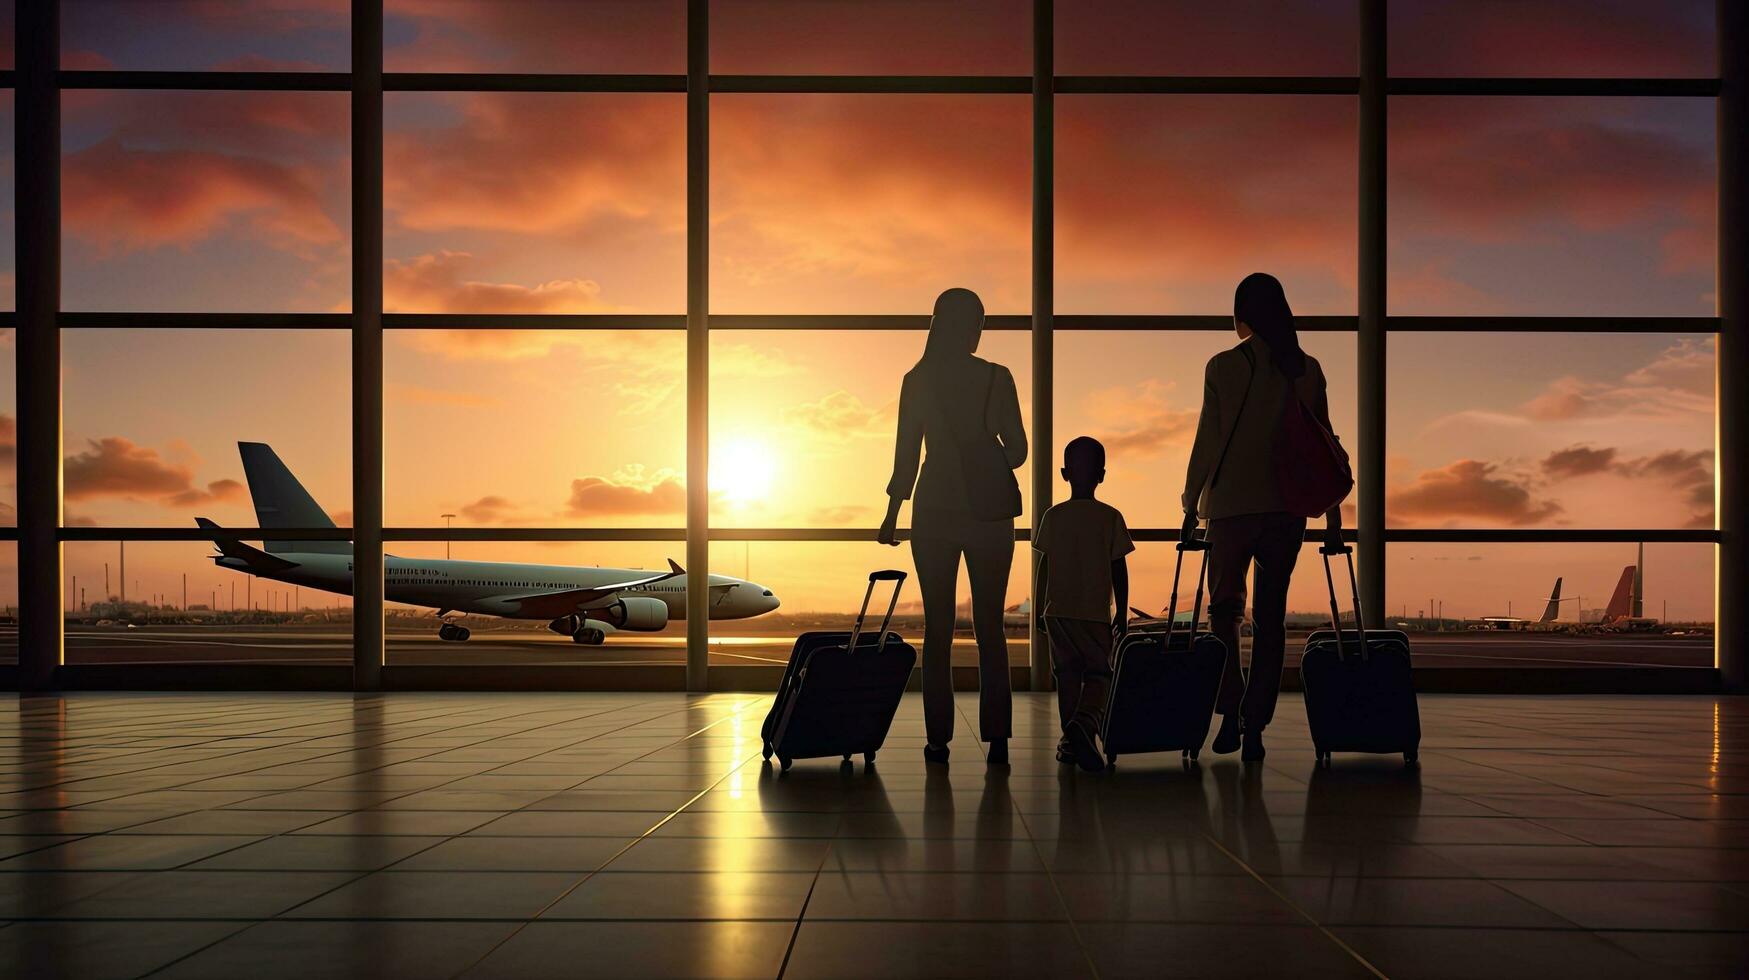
(770,601)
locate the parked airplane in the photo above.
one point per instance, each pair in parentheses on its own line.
(583,603)
(1619,614)
(1551,612)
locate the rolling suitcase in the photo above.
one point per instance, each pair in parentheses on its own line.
(841,690)
(1165,681)
(1360,692)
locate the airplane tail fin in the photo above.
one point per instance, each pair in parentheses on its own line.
(1621,603)
(1552,611)
(281,501)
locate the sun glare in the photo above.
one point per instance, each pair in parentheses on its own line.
(743,470)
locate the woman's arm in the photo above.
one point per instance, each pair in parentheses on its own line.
(907,455)
(1003,418)
(1204,449)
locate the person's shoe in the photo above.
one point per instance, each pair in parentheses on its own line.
(934,753)
(1085,750)
(1227,739)
(998,752)
(1253,747)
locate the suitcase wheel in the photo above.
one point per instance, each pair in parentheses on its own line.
(1411,759)
(785,761)
(1195,752)
(1111,758)
(766,750)
(868,758)
(847,757)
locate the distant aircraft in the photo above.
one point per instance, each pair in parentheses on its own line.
(1620,611)
(1551,612)
(583,603)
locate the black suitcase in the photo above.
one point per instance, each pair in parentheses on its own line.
(1359,688)
(1165,681)
(841,690)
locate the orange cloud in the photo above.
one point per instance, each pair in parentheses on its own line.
(487,510)
(435,283)
(841,417)
(627,491)
(1467,490)
(115,467)
(1140,420)
(1578,461)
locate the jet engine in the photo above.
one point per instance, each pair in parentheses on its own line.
(640,613)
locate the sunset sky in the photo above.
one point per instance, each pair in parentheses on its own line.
(548,203)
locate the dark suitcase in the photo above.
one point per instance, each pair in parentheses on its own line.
(1165,680)
(1360,691)
(841,690)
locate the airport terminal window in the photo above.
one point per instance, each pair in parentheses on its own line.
(8,602)
(1527,430)
(596,36)
(802,422)
(153,418)
(169,602)
(826,204)
(547,428)
(1543,605)
(1140,394)
(534,202)
(172,35)
(1165,202)
(8,428)
(851,37)
(205,201)
(1580,38)
(1563,207)
(1189,37)
(8,240)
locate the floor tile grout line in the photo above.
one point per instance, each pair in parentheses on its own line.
(802,914)
(1050,876)
(1290,903)
(633,843)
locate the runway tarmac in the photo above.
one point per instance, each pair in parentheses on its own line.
(327,644)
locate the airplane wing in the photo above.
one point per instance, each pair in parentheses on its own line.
(230,547)
(567,601)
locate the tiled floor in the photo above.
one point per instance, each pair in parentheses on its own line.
(622,835)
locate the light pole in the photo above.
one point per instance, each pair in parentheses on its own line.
(447,518)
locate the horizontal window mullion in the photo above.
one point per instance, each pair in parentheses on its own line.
(1581,87)
(88,533)
(529,82)
(872,84)
(76,320)
(534,321)
(1406,535)
(534,534)
(1207,85)
(233,81)
(1553,324)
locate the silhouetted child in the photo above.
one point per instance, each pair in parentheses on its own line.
(1081,545)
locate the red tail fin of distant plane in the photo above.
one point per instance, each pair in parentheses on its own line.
(1621,604)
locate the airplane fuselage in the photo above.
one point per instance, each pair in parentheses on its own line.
(494,588)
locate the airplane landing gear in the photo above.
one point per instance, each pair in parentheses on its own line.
(453,633)
(590,635)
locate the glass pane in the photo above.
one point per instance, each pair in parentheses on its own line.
(8,217)
(821,585)
(871,37)
(413,627)
(1523,430)
(1552,207)
(535,203)
(803,422)
(1482,605)
(153,419)
(175,35)
(1552,38)
(8,17)
(167,602)
(1140,395)
(8,602)
(869,203)
(1165,202)
(586,36)
(8,427)
(473,418)
(1188,37)
(209,201)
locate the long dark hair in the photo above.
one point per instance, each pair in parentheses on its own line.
(955,328)
(1262,305)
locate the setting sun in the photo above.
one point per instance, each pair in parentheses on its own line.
(743,470)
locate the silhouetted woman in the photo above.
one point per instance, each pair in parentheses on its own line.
(966,410)
(1233,483)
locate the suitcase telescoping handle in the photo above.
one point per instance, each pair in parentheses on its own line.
(1347,551)
(892,575)
(1192,543)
